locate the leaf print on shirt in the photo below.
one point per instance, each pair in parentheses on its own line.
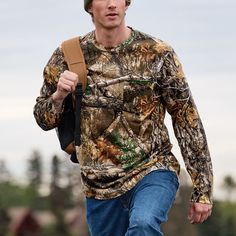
(119,145)
(50,73)
(131,153)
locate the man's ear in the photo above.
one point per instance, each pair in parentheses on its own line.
(90,8)
(127,3)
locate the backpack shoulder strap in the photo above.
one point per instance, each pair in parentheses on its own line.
(75,59)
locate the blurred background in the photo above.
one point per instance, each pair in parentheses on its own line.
(40,190)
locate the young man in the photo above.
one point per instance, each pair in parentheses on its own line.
(129,173)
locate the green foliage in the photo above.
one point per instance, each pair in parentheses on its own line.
(34,170)
(60,197)
(229,182)
(55,172)
(5,175)
(15,195)
(4,221)
(229,185)
(222,221)
(64,186)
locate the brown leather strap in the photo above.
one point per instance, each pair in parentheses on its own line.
(75,59)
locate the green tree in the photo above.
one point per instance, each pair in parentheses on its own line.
(4,222)
(12,195)
(229,185)
(58,197)
(5,175)
(228,218)
(5,178)
(34,170)
(34,176)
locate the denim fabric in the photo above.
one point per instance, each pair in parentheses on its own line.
(139,212)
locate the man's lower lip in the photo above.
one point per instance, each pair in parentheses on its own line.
(112,16)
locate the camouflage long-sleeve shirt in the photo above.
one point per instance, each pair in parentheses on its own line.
(123,134)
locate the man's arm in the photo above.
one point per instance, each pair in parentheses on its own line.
(191,137)
(58,83)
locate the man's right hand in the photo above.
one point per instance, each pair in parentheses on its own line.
(66,84)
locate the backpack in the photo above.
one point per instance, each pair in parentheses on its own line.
(68,130)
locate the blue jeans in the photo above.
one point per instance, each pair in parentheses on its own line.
(139,212)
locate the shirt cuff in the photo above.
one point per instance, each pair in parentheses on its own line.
(202,198)
(57,109)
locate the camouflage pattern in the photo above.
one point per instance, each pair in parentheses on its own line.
(123,134)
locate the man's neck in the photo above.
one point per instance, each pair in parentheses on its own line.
(112,37)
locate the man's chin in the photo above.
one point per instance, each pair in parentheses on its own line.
(112,26)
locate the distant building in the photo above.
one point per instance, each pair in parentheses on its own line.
(23,222)
(26,222)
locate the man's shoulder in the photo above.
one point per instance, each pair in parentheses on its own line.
(83,38)
(87,37)
(156,43)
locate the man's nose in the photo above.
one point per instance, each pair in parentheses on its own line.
(112,3)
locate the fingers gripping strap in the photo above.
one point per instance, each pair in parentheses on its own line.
(75,59)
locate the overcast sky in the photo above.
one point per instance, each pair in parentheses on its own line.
(202,33)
